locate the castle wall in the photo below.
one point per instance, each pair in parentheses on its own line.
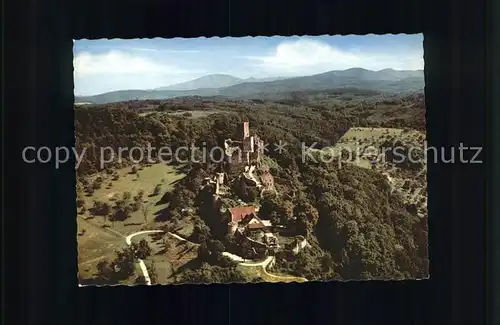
(267,179)
(248,144)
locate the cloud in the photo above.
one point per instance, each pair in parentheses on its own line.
(116,70)
(115,62)
(164,51)
(311,56)
(146,66)
(144,49)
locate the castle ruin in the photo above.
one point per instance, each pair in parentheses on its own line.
(246,149)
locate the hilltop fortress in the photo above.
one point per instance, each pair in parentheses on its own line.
(246,150)
(243,166)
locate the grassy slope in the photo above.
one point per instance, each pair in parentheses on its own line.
(98,243)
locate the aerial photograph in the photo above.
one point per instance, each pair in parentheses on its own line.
(250,159)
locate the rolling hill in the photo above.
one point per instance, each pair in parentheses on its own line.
(386,80)
(210,81)
(214,81)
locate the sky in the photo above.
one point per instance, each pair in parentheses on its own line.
(107,65)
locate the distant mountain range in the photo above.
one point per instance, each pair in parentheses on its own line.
(214,81)
(387,80)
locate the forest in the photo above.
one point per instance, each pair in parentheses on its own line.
(357,227)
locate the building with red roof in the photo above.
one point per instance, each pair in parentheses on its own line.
(239,213)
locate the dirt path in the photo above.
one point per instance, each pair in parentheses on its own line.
(234,257)
(263,265)
(180,238)
(243,262)
(128,240)
(269,277)
(142,265)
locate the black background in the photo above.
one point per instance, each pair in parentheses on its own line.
(39,230)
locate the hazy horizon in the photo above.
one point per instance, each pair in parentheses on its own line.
(102,66)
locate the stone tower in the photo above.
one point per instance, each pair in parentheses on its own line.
(246,130)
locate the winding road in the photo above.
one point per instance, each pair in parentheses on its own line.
(142,265)
(144,270)
(243,262)
(265,275)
